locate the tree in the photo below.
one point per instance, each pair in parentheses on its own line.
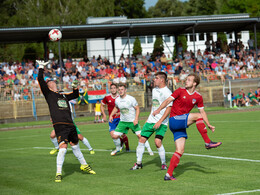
(158,46)
(137,49)
(166,8)
(131,9)
(183,40)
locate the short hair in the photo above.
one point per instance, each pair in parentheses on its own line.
(112,85)
(162,75)
(196,78)
(122,85)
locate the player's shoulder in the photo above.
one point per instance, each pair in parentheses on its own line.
(197,93)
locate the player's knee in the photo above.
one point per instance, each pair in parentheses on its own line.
(158,141)
(142,139)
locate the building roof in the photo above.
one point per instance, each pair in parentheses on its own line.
(137,27)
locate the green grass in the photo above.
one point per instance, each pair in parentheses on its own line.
(91,118)
(27,170)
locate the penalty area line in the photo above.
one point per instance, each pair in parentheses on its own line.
(242,192)
(187,154)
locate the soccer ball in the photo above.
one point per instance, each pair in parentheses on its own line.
(55,35)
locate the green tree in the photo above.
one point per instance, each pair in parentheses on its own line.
(158,46)
(131,9)
(137,49)
(200,7)
(183,40)
(166,8)
(223,39)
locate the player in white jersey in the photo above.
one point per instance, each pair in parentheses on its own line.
(154,123)
(129,114)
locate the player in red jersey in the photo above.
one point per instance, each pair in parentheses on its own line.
(110,101)
(180,119)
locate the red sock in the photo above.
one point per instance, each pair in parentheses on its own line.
(202,129)
(174,162)
(125,140)
(121,140)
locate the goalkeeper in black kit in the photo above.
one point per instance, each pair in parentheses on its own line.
(62,121)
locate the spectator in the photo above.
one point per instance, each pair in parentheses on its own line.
(252,97)
(239,100)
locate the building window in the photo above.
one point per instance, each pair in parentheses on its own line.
(201,36)
(191,38)
(209,36)
(230,36)
(149,39)
(167,38)
(124,40)
(142,39)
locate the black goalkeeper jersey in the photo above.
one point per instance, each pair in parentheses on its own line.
(58,102)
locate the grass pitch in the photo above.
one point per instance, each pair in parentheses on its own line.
(26,167)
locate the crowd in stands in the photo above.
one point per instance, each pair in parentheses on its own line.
(231,61)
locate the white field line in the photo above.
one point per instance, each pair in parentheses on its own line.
(197,155)
(242,192)
(247,121)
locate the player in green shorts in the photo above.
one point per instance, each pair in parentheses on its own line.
(129,114)
(154,123)
(252,97)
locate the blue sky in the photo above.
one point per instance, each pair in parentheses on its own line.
(149,3)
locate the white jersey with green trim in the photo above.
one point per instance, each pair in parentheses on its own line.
(158,97)
(126,106)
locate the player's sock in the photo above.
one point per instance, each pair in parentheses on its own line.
(55,142)
(139,152)
(60,159)
(86,143)
(202,129)
(77,152)
(147,145)
(117,143)
(161,152)
(125,141)
(121,141)
(174,162)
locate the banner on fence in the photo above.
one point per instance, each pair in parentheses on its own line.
(93,96)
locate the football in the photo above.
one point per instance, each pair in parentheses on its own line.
(55,35)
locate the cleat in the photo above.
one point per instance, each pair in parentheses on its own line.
(58,178)
(164,167)
(137,166)
(212,145)
(92,152)
(151,153)
(87,169)
(54,151)
(166,178)
(114,152)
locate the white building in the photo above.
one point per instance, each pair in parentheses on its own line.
(103,47)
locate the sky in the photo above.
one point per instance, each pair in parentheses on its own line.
(149,3)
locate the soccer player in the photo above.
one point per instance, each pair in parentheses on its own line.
(110,101)
(80,136)
(62,121)
(129,114)
(154,123)
(180,119)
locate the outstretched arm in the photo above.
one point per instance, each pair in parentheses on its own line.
(163,105)
(164,116)
(104,117)
(137,112)
(205,118)
(114,111)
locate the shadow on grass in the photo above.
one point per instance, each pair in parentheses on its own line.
(191,166)
(69,169)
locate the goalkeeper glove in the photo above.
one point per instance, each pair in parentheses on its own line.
(41,63)
(75,84)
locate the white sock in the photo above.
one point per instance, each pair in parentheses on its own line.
(55,142)
(147,145)
(60,159)
(77,152)
(139,152)
(161,152)
(86,143)
(117,143)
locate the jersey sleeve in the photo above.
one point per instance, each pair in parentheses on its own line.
(44,87)
(200,103)
(168,94)
(134,102)
(176,93)
(73,95)
(104,101)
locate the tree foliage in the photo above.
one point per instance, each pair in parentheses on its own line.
(158,46)
(137,49)
(131,9)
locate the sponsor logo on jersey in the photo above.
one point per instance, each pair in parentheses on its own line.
(62,103)
(193,101)
(156,103)
(124,110)
(184,97)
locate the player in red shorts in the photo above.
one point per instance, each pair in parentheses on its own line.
(180,119)
(110,101)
